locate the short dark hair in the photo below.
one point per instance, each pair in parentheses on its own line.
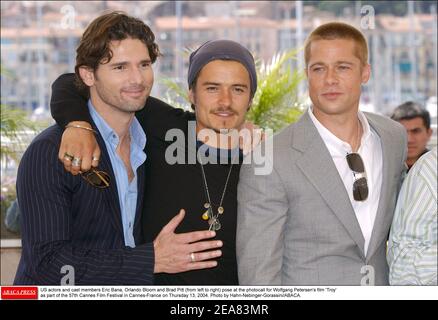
(94,47)
(410,110)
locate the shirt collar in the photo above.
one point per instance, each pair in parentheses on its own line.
(226,154)
(336,146)
(138,137)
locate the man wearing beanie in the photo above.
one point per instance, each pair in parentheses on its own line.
(222,81)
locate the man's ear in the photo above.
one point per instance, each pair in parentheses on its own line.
(192,99)
(87,75)
(249,105)
(366,73)
(191,96)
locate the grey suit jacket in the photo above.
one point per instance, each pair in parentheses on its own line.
(296,226)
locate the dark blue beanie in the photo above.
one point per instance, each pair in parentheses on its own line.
(222,50)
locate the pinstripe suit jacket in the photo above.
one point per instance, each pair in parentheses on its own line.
(66,221)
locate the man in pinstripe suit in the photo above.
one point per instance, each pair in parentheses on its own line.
(89,224)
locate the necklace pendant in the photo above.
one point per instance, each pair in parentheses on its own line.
(205,216)
(220,210)
(216,225)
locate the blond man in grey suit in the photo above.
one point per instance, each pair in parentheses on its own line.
(322,216)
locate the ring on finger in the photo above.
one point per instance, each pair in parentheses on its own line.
(68,156)
(95,158)
(192,257)
(76,162)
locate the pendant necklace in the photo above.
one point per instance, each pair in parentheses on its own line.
(213,219)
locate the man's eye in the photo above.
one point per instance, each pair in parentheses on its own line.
(317,69)
(146,64)
(119,67)
(344,67)
(211,88)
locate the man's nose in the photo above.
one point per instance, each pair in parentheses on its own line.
(136,76)
(224,98)
(331,76)
(410,136)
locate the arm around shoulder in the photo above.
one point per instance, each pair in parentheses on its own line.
(68,103)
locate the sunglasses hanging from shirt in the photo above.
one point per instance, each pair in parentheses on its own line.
(98,179)
(360,184)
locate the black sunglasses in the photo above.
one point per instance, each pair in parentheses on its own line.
(360,185)
(98,179)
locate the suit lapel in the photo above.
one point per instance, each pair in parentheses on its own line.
(110,194)
(317,165)
(139,208)
(383,218)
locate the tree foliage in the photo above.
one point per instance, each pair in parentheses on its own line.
(15,127)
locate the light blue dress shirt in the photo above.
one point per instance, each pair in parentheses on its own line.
(127,191)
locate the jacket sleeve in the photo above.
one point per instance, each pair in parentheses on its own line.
(158,117)
(46,195)
(261,220)
(68,103)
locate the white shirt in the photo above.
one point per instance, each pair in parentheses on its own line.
(371,153)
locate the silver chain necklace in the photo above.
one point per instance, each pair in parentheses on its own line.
(213,219)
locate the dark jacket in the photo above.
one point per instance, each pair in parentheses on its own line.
(68,222)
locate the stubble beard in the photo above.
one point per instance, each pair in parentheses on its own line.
(121,104)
